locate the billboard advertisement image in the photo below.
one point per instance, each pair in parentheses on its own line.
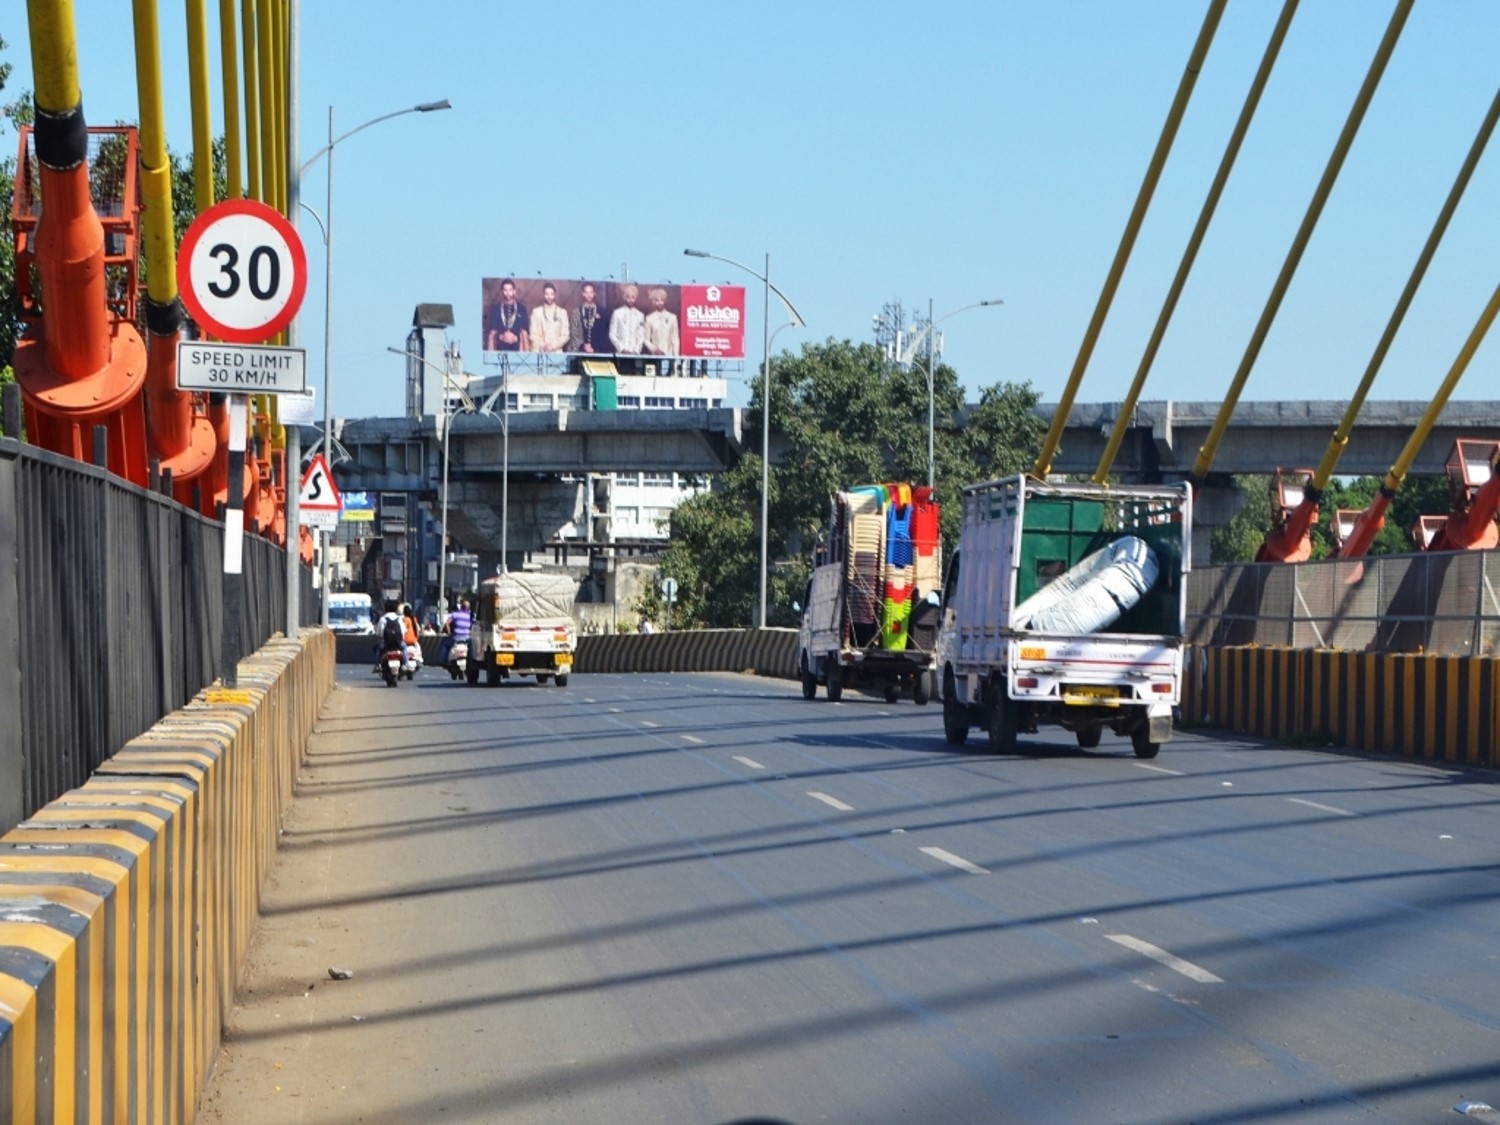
(613,318)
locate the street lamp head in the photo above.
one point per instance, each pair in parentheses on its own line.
(995,301)
(428,107)
(697,253)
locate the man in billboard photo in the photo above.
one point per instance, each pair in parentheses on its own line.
(661,329)
(627,324)
(588,329)
(549,323)
(506,328)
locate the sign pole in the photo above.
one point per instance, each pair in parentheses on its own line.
(241,272)
(234,541)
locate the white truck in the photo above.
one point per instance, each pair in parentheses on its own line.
(523,627)
(869,617)
(1065,605)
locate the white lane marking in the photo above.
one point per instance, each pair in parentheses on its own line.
(614,710)
(1161,956)
(955,860)
(751,762)
(694,739)
(1320,808)
(1157,769)
(648,723)
(834,802)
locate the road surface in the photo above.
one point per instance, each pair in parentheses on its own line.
(700,898)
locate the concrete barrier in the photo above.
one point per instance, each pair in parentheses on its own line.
(126,906)
(765,652)
(1441,708)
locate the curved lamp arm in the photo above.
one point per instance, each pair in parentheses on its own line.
(423,107)
(797,320)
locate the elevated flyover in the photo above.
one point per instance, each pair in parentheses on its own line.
(552,453)
(402,453)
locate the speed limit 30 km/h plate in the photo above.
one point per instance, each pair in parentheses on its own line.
(242,271)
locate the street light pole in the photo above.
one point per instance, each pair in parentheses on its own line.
(765,413)
(932,324)
(327,150)
(931,416)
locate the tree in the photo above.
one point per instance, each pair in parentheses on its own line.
(17,113)
(844,416)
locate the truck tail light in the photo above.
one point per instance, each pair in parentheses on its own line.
(1028,682)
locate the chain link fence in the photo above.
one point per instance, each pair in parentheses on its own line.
(1447,603)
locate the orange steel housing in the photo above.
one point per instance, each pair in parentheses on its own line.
(84,364)
(1470,526)
(1294,510)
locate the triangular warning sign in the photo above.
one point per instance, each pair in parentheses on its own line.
(319,493)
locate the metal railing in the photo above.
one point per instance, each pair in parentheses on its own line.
(114,595)
(1447,603)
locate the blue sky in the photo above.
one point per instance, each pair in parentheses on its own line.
(954,151)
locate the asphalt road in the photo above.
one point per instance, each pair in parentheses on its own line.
(700,898)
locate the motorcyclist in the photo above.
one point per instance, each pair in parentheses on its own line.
(392,614)
(456,629)
(412,635)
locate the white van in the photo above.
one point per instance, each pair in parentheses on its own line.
(350,613)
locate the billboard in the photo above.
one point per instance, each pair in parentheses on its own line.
(612,318)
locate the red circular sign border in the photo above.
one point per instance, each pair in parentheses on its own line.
(210,324)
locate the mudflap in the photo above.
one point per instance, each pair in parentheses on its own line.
(1159,722)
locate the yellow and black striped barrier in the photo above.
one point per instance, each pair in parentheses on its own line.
(126,905)
(1441,708)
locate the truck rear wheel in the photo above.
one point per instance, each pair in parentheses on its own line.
(892,692)
(561,679)
(835,685)
(1004,718)
(1088,737)
(809,681)
(1140,741)
(921,688)
(955,714)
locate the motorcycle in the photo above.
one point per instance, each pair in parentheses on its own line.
(458,660)
(391,666)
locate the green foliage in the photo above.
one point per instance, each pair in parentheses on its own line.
(843,415)
(185,185)
(15,113)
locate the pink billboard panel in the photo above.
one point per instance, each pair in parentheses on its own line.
(713,321)
(619,318)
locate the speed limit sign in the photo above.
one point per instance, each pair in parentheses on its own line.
(242,271)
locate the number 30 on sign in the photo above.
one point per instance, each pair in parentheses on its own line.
(242,271)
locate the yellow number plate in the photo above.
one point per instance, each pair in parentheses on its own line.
(505,658)
(565,661)
(1033,652)
(1088,693)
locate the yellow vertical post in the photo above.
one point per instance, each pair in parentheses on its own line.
(234,172)
(252,97)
